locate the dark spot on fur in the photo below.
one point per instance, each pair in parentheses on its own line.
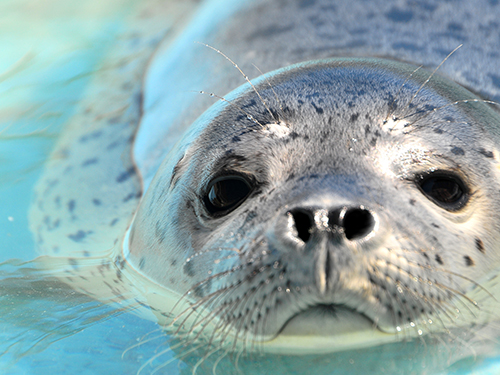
(96,202)
(488,154)
(79,236)
(251,215)
(113,145)
(468,261)
(188,269)
(87,137)
(71,205)
(86,254)
(88,162)
(173,263)
(129,197)
(354,117)
(294,135)
(438,259)
(399,15)
(236,139)
(457,150)
(412,202)
(119,274)
(437,131)
(435,225)
(125,175)
(202,289)
(318,109)
(114,120)
(273,29)
(113,222)
(480,245)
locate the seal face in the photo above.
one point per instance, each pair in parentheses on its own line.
(338,195)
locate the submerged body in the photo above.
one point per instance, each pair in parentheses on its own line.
(344,202)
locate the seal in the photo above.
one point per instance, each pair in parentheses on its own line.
(341,195)
(333,204)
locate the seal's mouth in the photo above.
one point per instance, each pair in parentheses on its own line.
(326,328)
(326,319)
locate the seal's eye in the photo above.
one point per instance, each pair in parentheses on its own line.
(446,190)
(225,194)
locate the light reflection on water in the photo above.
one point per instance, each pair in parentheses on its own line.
(46,72)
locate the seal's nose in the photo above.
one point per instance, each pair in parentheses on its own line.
(354,223)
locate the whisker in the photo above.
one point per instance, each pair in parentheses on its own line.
(221,98)
(262,318)
(434,269)
(391,109)
(177,357)
(149,362)
(192,308)
(203,359)
(274,91)
(245,319)
(213,314)
(431,75)
(244,76)
(216,363)
(456,292)
(208,279)
(143,341)
(434,110)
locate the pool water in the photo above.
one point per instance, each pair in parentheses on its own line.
(46,64)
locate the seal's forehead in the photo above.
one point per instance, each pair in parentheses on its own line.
(337,108)
(343,93)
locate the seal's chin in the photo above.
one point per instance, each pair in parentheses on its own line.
(326,320)
(324,328)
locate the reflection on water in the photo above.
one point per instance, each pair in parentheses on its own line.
(46,64)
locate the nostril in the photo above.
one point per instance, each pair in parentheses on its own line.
(303,222)
(357,223)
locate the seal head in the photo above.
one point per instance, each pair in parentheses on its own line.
(325,197)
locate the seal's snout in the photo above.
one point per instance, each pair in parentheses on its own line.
(352,223)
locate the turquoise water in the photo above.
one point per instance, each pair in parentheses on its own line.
(47,57)
(46,65)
